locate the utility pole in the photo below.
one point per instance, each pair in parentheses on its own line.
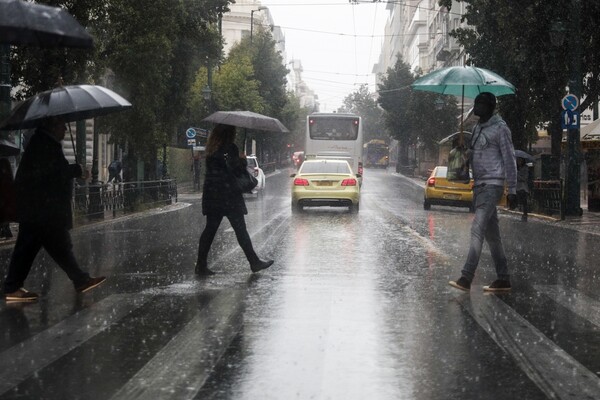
(573,203)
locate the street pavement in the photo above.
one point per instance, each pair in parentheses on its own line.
(355,307)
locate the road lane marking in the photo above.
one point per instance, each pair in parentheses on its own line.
(555,372)
(182,366)
(22,360)
(579,303)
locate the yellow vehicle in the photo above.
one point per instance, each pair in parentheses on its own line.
(322,182)
(440,191)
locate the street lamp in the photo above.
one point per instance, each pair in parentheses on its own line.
(252,19)
(206,92)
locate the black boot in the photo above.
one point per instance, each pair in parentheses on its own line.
(202,269)
(259,265)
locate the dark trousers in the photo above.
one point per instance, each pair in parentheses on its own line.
(210,230)
(56,241)
(522,197)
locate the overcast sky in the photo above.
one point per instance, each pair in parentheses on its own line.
(337,42)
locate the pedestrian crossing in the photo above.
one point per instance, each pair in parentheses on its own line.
(180,367)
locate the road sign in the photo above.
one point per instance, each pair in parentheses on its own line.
(190,133)
(191,142)
(569,119)
(569,102)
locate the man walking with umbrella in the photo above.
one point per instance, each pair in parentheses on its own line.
(493,162)
(44,189)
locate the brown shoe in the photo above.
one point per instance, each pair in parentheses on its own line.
(21,295)
(90,284)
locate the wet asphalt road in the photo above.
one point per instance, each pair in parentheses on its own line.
(355,307)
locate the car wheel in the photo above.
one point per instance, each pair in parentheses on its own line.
(472,208)
(426,205)
(297,208)
(354,208)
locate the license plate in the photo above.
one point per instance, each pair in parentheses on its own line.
(452,196)
(324,183)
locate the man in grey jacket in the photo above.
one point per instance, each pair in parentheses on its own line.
(493,162)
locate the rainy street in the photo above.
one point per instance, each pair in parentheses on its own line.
(354,307)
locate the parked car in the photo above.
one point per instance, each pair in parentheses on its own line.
(440,191)
(321,182)
(258,173)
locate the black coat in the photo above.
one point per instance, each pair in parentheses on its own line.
(44,183)
(220,195)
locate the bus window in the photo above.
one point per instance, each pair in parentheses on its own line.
(333,129)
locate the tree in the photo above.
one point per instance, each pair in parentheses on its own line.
(414,117)
(362,103)
(395,98)
(516,42)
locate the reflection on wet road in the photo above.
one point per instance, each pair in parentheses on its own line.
(355,307)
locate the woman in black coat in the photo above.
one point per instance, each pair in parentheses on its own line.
(222,198)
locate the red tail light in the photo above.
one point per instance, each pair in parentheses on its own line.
(256,172)
(300,182)
(360,168)
(431,181)
(349,182)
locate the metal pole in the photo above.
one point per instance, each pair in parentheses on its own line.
(5,104)
(251,23)
(573,140)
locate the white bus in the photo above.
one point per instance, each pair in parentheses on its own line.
(335,136)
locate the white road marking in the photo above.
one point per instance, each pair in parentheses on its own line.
(24,359)
(554,371)
(181,367)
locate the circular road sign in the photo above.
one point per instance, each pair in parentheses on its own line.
(569,102)
(190,133)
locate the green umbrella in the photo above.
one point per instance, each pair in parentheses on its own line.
(465,82)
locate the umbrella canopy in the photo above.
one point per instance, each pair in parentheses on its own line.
(247,119)
(72,103)
(450,138)
(524,155)
(464,81)
(26,23)
(8,149)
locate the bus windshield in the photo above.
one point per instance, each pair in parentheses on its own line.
(333,128)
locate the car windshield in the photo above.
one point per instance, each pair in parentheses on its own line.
(442,172)
(325,167)
(251,162)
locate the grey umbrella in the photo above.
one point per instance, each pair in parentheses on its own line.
(27,23)
(72,103)
(247,119)
(524,155)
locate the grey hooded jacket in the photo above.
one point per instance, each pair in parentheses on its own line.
(493,155)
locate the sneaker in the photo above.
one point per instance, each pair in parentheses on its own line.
(90,284)
(21,295)
(260,265)
(499,285)
(462,283)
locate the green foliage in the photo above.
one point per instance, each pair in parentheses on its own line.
(362,103)
(516,42)
(412,117)
(235,87)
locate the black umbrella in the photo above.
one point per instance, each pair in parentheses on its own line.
(71,103)
(26,23)
(8,149)
(247,119)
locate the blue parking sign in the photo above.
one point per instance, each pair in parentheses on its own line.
(569,119)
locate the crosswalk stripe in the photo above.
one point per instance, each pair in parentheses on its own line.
(554,371)
(181,367)
(22,360)
(574,300)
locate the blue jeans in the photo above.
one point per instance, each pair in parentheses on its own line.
(485,226)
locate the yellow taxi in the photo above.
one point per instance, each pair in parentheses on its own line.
(440,191)
(322,182)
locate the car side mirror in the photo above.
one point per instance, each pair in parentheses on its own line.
(292,175)
(359,175)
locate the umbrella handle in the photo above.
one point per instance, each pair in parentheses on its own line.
(73,143)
